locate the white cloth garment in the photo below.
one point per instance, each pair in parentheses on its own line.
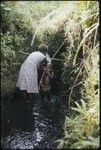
(28,76)
(48,58)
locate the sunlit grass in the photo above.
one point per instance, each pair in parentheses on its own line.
(79,22)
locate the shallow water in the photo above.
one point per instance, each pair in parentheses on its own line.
(23,130)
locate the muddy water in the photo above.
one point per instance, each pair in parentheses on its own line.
(23,129)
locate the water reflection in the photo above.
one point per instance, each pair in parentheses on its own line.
(28,131)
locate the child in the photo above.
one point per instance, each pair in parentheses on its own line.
(45,83)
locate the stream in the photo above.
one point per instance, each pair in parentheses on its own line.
(21,129)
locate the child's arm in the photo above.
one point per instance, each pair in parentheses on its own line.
(51,74)
(41,81)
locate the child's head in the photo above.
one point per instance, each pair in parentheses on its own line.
(49,66)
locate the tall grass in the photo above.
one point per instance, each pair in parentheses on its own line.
(82,130)
(71,26)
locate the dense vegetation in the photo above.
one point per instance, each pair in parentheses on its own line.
(71,31)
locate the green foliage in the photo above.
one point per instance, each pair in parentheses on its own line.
(80,77)
(80,131)
(13,39)
(70,29)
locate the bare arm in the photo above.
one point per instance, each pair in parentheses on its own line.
(51,74)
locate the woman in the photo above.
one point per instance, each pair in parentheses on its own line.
(28,75)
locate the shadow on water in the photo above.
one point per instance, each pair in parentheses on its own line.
(21,129)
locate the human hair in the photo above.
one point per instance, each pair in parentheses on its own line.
(43,48)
